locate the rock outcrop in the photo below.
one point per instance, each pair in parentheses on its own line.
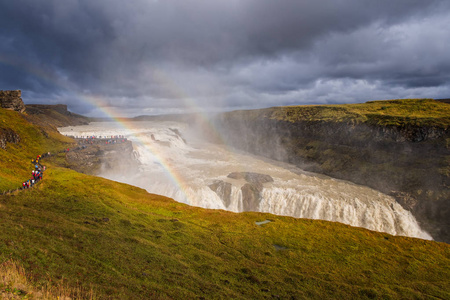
(251,196)
(8,135)
(251,190)
(12,100)
(223,190)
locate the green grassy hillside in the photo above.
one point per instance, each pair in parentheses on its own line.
(15,162)
(54,115)
(418,112)
(94,234)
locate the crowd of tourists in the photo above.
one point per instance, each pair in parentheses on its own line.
(38,171)
(36,174)
(93,139)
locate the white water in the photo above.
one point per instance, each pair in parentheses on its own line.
(183,170)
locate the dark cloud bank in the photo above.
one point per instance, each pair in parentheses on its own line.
(147,57)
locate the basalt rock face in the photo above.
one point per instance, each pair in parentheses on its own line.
(8,135)
(251,196)
(408,162)
(223,190)
(250,191)
(12,100)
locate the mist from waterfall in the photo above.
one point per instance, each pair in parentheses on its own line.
(176,163)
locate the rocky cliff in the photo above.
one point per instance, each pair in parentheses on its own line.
(54,115)
(251,190)
(48,117)
(12,100)
(39,108)
(7,135)
(402,156)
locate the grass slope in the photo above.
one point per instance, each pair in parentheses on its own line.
(90,233)
(54,116)
(14,284)
(420,112)
(127,243)
(15,162)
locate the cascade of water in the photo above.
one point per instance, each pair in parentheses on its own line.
(380,214)
(185,170)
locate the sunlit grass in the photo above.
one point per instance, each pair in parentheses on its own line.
(15,161)
(125,242)
(14,284)
(86,234)
(418,112)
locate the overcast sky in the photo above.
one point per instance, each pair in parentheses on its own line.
(139,57)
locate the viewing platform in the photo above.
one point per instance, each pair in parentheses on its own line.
(97,140)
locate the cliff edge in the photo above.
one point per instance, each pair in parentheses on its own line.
(55,115)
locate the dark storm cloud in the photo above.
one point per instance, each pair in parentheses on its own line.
(247,53)
(411,54)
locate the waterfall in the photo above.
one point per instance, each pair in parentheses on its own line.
(382,213)
(180,166)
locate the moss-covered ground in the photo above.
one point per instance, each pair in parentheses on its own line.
(121,242)
(419,112)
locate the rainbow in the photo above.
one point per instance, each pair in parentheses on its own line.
(169,169)
(100,103)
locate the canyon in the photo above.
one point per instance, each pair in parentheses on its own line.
(400,156)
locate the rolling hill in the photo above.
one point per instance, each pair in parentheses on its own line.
(88,235)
